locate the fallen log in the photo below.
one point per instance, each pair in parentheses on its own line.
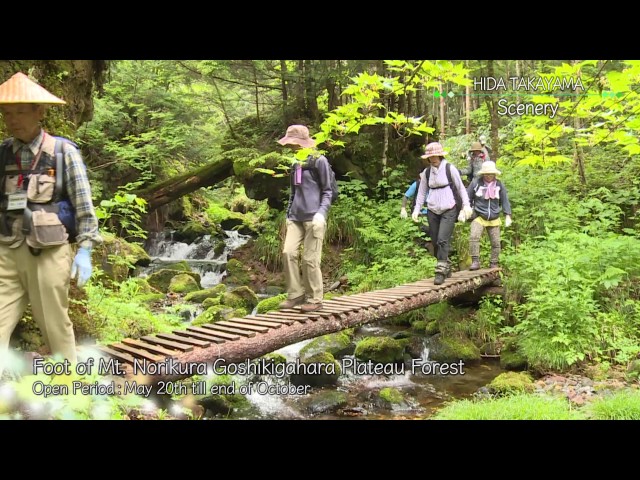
(253,347)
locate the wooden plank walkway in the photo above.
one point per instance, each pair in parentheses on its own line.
(240,339)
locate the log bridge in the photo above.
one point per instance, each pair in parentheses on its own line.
(241,339)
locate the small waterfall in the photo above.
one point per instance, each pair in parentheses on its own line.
(200,255)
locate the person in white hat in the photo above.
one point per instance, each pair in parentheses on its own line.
(447,201)
(309,204)
(488,197)
(36,258)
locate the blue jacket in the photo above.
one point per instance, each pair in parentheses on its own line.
(489,209)
(411,192)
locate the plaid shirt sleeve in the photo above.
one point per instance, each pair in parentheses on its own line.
(79,191)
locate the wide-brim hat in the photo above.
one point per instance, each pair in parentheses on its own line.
(21,89)
(298,135)
(476,147)
(434,149)
(489,168)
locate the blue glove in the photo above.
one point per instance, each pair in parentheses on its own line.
(82,266)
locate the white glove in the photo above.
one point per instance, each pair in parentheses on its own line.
(403,213)
(462,217)
(318,220)
(507,220)
(415,216)
(468,212)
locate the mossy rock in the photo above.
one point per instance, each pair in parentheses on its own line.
(326,401)
(117,257)
(403,320)
(419,326)
(513,360)
(214,314)
(190,231)
(241,297)
(269,304)
(509,383)
(452,349)
(337,344)
(181,266)
(150,298)
(237,273)
(201,295)
(432,328)
(276,358)
(183,283)
(380,350)
(210,302)
(218,247)
(143,287)
(225,405)
(162,278)
(327,370)
(391,395)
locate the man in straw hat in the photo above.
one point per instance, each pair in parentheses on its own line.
(488,197)
(309,204)
(36,261)
(447,202)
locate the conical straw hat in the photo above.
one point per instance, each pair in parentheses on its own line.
(21,89)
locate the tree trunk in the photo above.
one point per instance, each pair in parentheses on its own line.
(467,102)
(495,120)
(442,131)
(164,192)
(256,92)
(578,154)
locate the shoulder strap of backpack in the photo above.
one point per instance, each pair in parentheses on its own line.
(313,169)
(5,150)
(59,154)
(454,188)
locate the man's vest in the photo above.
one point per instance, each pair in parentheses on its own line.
(37,221)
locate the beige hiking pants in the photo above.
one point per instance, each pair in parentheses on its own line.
(43,281)
(310,282)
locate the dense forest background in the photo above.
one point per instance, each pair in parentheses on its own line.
(190,145)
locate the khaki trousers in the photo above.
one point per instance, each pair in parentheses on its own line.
(310,282)
(43,281)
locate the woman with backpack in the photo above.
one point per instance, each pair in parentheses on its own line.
(488,196)
(447,202)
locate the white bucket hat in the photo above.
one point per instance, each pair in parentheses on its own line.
(489,168)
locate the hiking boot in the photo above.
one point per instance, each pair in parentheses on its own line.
(311,307)
(292,302)
(475,265)
(494,265)
(439,280)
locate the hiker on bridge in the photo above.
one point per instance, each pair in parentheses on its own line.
(309,204)
(447,201)
(488,196)
(36,258)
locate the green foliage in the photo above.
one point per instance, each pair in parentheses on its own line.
(122,313)
(122,215)
(488,320)
(576,287)
(621,405)
(513,407)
